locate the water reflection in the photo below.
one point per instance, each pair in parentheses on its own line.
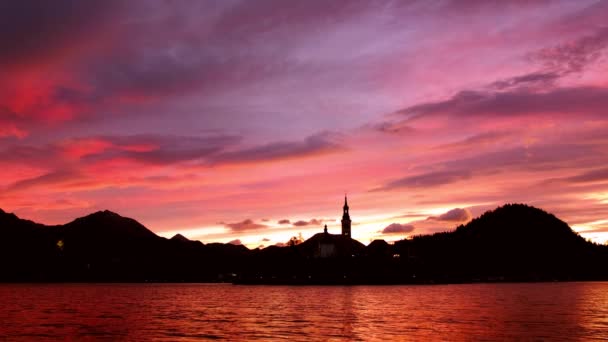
(191,311)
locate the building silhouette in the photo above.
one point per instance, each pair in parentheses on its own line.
(326,245)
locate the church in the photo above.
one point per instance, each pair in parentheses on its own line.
(326,245)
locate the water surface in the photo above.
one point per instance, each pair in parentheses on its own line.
(576,311)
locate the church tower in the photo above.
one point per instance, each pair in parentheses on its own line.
(345,220)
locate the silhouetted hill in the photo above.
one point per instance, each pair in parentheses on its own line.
(107,225)
(27,248)
(514,241)
(105,246)
(511,243)
(180,238)
(511,222)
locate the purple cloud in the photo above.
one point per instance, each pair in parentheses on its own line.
(575,55)
(245,225)
(32,29)
(424,180)
(397,228)
(596,175)
(312,145)
(560,101)
(47,179)
(313,222)
(536,80)
(455,215)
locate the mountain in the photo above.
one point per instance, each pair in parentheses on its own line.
(105,246)
(180,238)
(514,242)
(108,225)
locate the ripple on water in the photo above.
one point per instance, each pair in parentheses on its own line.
(197,311)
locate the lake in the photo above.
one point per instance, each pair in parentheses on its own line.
(530,311)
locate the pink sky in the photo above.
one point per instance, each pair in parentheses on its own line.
(220,119)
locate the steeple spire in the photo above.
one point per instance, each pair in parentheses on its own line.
(345,219)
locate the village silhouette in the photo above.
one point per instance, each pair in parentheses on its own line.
(514,242)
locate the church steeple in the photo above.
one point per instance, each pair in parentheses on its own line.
(345,219)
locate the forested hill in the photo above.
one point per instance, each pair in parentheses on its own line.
(514,242)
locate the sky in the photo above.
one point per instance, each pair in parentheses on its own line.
(248,121)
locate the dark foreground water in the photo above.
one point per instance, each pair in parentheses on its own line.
(542,311)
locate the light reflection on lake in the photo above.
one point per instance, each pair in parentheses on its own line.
(190,311)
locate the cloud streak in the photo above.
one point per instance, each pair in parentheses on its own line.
(312,145)
(590,101)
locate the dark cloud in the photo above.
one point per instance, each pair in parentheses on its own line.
(476,6)
(208,47)
(398,127)
(312,145)
(540,80)
(31,29)
(235,242)
(313,222)
(454,215)
(532,93)
(157,149)
(397,228)
(151,149)
(477,140)
(529,94)
(265,239)
(11,125)
(425,180)
(560,101)
(163,149)
(538,157)
(301,223)
(597,175)
(47,179)
(30,155)
(212,149)
(284,221)
(575,55)
(542,156)
(245,225)
(278,13)
(145,74)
